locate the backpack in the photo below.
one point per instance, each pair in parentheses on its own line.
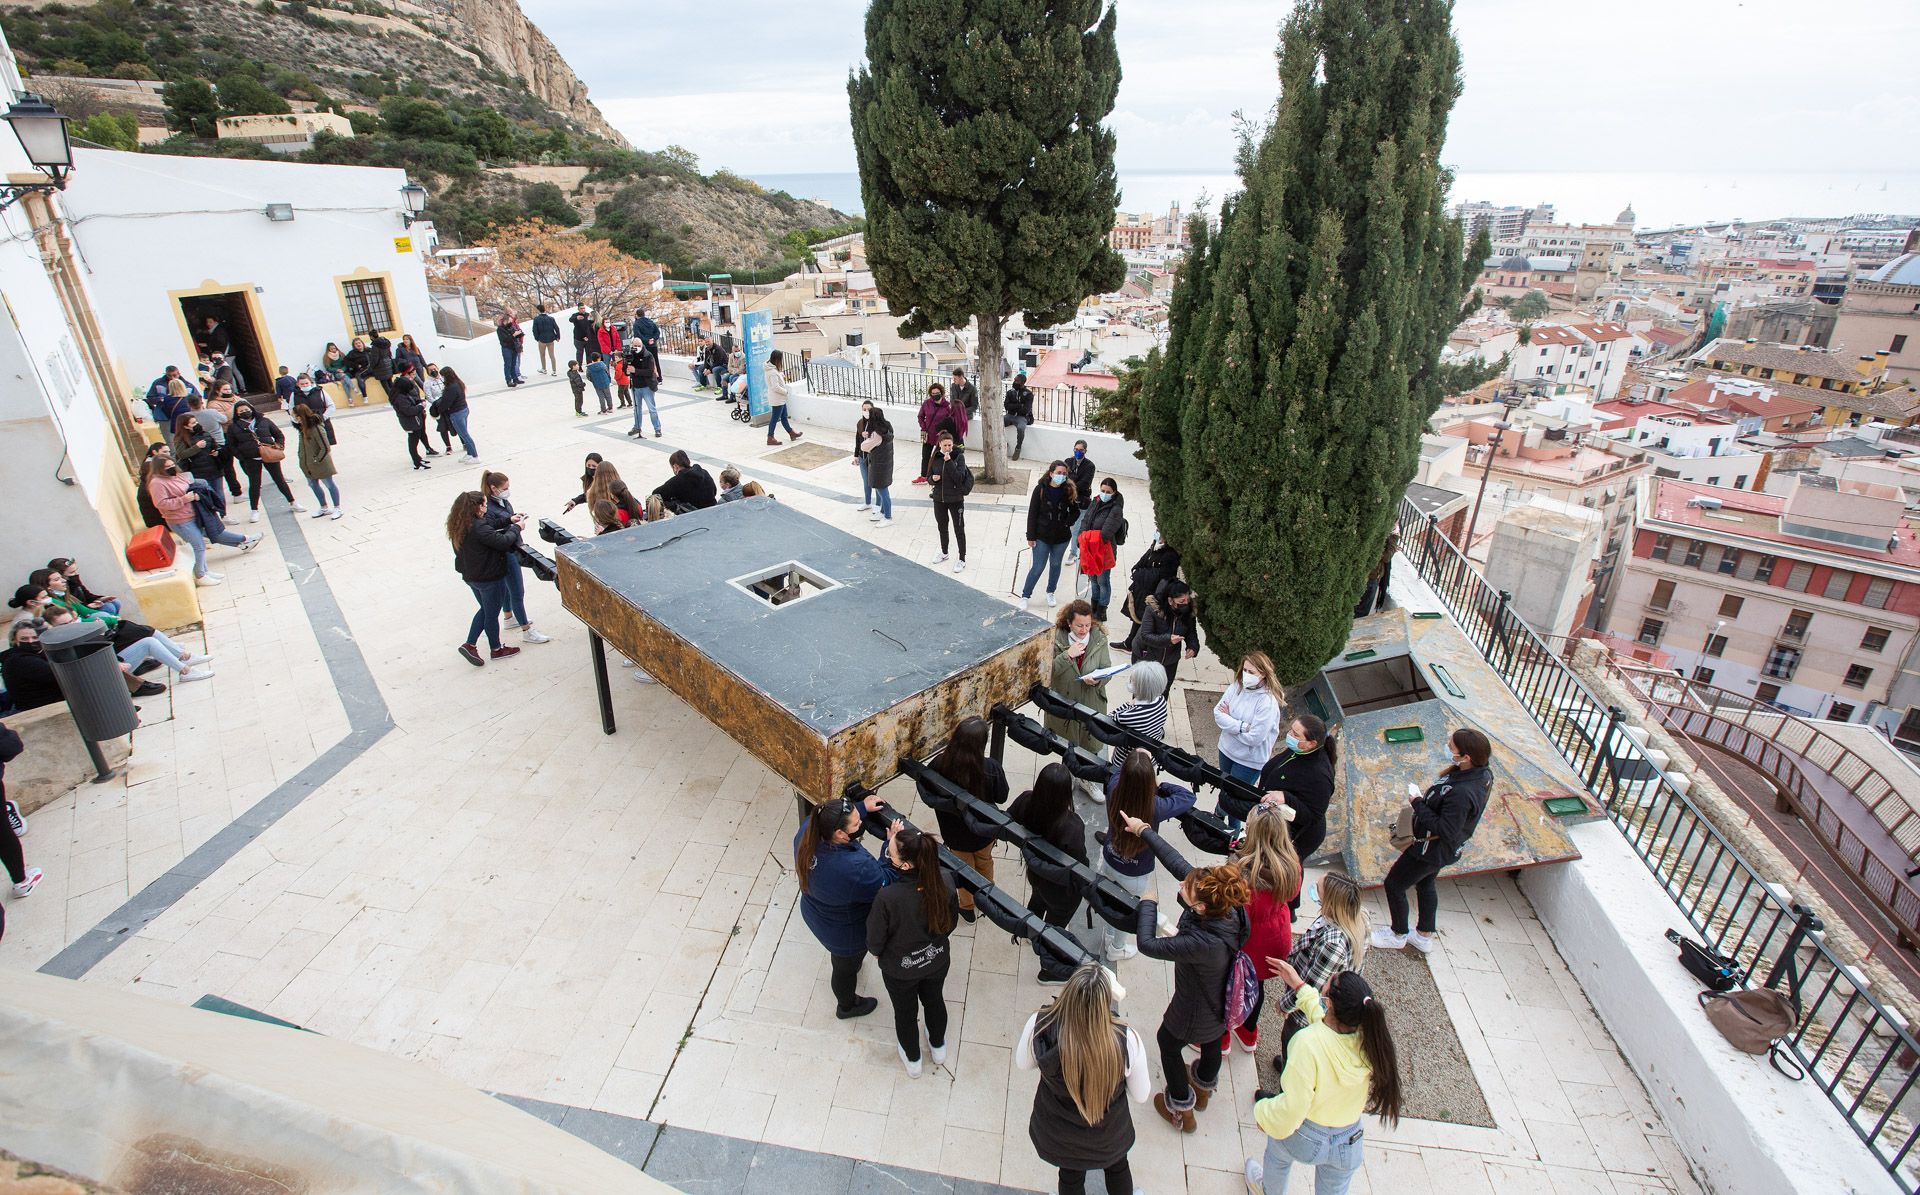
(1243,990)
(966,482)
(1754,1020)
(1119,536)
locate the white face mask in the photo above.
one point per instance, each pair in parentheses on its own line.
(1079,640)
(505,495)
(1249,680)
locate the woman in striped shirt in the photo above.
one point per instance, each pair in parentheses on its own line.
(1145,712)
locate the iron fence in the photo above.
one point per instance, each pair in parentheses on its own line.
(1858,1051)
(1063,406)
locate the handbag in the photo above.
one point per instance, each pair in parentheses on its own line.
(1402,835)
(1754,1020)
(1715,971)
(273,454)
(871,442)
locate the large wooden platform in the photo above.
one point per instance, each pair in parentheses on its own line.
(828,688)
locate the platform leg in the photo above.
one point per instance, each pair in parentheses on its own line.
(102,771)
(599,647)
(999,746)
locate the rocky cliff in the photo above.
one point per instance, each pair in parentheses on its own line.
(505,37)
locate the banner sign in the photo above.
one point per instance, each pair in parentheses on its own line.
(757,327)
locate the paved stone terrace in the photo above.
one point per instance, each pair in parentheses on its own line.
(352,829)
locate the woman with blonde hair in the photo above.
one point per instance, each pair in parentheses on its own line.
(1091,1063)
(606,484)
(1273,873)
(656,509)
(1248,716)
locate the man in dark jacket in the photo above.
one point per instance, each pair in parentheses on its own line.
(1019,411)
(380,360)
(1080,468)
(166,407)
(644,330)
(586,342)
(546,333)
(411,410)
(964,392)
(1169,632)
(690,488)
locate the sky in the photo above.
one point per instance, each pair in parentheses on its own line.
(759,86)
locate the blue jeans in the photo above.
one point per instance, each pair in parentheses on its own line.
(510,363)
(643,397)
(331,489)
(154,647)
(1045,556)
(190,531)
(777,417)
(703,376)
(1079,525)
(1334,1154)
(514,600)
(1100,589)
(491,595)
(1238,771)
(110,606)
(866,482)
(459,421)
(884,500)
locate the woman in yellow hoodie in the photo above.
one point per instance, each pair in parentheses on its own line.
(1341,1065)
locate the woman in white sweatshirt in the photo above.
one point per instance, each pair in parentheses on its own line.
(1249,720)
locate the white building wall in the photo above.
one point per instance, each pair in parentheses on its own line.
(150,226)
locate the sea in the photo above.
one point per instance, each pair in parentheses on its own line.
(1660,199)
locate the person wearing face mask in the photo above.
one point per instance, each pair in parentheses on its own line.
(1018,408)
(1079,647)
(410,409)
(1106,530)
(195,452)
(839,880)
(77,589)
(938,417)
(1169,631)
(1444,819)
(908,933)
(315,455)
(1051,512)
(1213,927)
(1156,566)
(213,417)
(175,499)
(501,517)
(965,762)
(1248,716)
(315,399)
(260,446)
(951,481)
(1301,778)
(1082,470)
(873,449)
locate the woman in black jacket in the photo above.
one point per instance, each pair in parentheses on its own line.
(1169,629)
(1301,778)
(1091,1064)
(500,514)
(1444,818)
(1213,927)
(195,451)
(1047,810)
(249,432)
(453,405)
(907,932)
(966,763)
(950,481)
(1051,513)
(481,554)
(403,395)
(1157,566)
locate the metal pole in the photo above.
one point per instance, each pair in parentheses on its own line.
(1493,444)
(1605,746)
(102,772)
(599,651)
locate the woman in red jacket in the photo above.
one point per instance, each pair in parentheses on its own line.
(1273,872)
(609,338)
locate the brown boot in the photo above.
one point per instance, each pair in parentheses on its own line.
(1200,1094)
(1179,1120)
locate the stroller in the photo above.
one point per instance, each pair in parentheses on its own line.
(738,388)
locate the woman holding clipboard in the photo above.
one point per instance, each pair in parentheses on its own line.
(1082,664)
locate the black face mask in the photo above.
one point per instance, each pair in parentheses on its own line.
(30,648)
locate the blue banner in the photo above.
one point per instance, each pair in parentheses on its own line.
(757,327)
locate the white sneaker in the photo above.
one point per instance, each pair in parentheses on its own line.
(533,636)
(1122,953)
(1421,942)
(339,512)
(323,512)
(1022,600)
(253,516)
(298,509)
(1255,1173)
(939,1055)
(884,520)
(1052,601)
(25,887)
(875,517)
(959,566)
(640,675)
(1385,939)
(912,1064)
(253,541)
(864,506)
(940,558)
(196,661)
(203,672)
(206,579)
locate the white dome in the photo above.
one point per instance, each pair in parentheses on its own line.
(1903,270)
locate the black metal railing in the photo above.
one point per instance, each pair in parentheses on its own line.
(1063,406)
(1858,1050)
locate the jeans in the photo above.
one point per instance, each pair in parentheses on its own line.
(606,397)
(1334,1154)
(459,421)
(777,417)
(1119,1180)
(1416,869)
(1045,556)
(110,606)
(583,349)
(910,998)
(1121,940)
(1079,525)
(1238,771)
(866,483)
(1019,424)
(190,531)
(510,363)
(1206,1069)
(700,376)
(1100,590)
(332,491)
(546,356)
(846,979)
(154,647)
(884,501)
(255,467)
(643,400)
(945,512)
(491,595)
(515,600)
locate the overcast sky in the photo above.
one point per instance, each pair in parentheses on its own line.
(759,86)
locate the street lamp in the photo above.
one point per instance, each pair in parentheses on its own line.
(1493,446)
(415,197)
(43,135)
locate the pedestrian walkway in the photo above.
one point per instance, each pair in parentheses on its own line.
(352,829)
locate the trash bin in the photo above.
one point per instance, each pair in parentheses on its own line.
(84,663)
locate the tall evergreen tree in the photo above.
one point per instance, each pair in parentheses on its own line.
(986,173)
(1283,423)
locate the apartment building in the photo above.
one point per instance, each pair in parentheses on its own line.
(1500,223)
(1590,355)
(1781,278)
(1810,600)
(1849,390)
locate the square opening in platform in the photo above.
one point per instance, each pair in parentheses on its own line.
(785,584)
(1378,684)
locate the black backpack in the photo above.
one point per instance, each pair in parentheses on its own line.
(1120,533)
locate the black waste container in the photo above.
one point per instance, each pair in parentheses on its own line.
(83,661)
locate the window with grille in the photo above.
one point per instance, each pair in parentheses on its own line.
(1730,561)
(1782,661)
(1716,645)
(1650,631)
(1857,676)
(1874,639)
(1662,544)
(368,308)
(1696,549)
(1797,624)
(1703,675)
(1839,711)
(1878,591)
(1763,569)
(1730,605)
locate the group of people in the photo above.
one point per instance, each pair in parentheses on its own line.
(1234,938)
(55,596)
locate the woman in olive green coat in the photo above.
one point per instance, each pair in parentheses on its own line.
(316,461)
(1079,647)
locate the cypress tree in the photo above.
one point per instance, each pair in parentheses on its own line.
(1283,423)
(986,173)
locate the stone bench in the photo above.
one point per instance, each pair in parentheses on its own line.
(55,757)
